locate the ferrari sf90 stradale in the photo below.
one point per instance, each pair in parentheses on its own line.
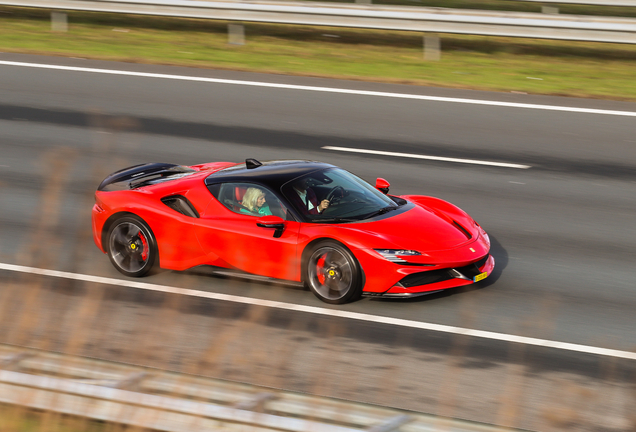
(294,220)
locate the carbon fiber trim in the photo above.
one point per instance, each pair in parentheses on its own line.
(440,275)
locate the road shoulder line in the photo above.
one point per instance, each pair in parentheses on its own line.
(606,352)
(325,89)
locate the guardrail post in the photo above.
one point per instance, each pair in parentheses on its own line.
(256,403)
(391,424)
(550,10)
(14,359)
(236,34)
(131,382)
(432,47)
(59,22)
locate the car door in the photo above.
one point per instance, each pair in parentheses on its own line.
(228,232)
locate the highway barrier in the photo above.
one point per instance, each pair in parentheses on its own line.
(418,19)
(624,3)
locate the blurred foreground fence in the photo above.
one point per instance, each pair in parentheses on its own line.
(418,19)
(100,390)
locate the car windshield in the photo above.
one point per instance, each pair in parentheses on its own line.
(350,198)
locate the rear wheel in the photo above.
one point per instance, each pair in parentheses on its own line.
(132,247)
(333,273)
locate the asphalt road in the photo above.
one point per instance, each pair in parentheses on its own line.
(563,230)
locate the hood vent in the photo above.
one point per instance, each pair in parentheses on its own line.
(462,229)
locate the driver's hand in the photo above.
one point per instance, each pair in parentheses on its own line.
(323,205)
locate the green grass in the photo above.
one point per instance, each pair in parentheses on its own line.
(485,63)
(19,419)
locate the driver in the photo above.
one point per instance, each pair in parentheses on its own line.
(306,198)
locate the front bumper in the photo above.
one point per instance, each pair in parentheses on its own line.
(429,282)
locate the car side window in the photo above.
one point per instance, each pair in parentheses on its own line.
(249,199)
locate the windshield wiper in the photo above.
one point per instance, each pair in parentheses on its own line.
(337,220)
(382,211)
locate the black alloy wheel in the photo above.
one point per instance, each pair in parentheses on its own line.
(132,247)
(333,273)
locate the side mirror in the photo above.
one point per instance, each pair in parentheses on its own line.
(274,222)
(382,185)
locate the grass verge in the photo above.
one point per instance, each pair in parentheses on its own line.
(471,62)
(20,419)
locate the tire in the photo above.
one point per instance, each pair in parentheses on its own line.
(132,248)
(333,273)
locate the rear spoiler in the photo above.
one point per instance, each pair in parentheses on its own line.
(134,175)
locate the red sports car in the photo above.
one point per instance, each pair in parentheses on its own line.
(301,221)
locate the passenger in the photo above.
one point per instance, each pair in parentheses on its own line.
(254,202)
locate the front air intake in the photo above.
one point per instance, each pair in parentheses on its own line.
(440,275)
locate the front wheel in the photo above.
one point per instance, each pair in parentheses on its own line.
(132,247)
(333,273)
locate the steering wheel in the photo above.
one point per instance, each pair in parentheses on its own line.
(336,194)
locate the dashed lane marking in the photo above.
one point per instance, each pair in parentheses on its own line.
(435,158)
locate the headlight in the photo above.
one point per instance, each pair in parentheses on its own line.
(394,255)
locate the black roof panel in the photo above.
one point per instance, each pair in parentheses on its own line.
(272,173)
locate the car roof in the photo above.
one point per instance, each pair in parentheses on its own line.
(271,173)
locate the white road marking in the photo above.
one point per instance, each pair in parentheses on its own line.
(326,312)
(325,89)
(437,158)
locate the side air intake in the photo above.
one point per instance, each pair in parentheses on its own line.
(180,204)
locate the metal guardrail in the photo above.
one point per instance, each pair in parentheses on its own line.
(419,19)
(150,411)
(171,402)
(625,3)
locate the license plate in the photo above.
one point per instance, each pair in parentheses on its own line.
(480,276)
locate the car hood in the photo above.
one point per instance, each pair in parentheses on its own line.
(417,229)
